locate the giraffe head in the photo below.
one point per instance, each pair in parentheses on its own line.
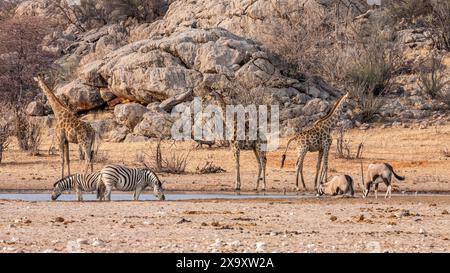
(333,116)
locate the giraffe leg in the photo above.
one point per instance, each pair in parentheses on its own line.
(300,159)
(62,152)
(324,172)
(81,152)
(318,168)
(264,162)
(88,158)
(258,160)
(236,153)
(66,149)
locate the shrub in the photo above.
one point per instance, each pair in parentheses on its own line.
(432,77)
(175,163)
(22,57)
(88,14)
(432,14)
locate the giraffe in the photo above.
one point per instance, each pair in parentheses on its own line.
(69,129)
(236,145)
(317,139)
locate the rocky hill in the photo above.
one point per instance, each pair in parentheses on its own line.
(120,76)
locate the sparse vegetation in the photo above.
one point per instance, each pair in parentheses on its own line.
(174,163)
(22,57)
(432,79)
(209,167)
(34,138)
(89,13)
(432,14)
(343,147)
(5,129)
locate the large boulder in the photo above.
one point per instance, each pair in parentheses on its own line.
(129,114)
(79,96)
(35,108)
(155,125)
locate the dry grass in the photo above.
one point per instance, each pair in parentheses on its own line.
(417,154)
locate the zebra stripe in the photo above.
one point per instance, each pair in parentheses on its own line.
(78,182)
(128,179)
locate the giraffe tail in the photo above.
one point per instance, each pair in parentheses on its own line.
(283,157)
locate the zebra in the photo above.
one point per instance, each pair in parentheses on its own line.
(128,179)
(78,182)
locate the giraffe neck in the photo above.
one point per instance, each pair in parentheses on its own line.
(329,121)
(54,102)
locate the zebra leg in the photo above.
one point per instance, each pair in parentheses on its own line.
(236,153)
(137,193)
(107,194)
(258,160)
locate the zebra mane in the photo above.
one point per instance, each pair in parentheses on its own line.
(63,179)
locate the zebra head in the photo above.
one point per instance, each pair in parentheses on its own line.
(158,190)
(57,189)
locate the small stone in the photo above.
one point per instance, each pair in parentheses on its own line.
(361,218)
(123,221)
(81,241)
(445,212)
(235,243)
(333,218)
(73,247)
(422,231)
(98,243)
(59,219)
(12,226)
(260,246)
(183,221)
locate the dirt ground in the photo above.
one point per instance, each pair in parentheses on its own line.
(416,154)
(401,224)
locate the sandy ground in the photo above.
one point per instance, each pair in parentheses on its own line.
(402,224)
(416,154)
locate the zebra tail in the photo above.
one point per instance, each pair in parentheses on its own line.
(101,188)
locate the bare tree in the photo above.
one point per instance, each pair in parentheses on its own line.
(21,57)
(432,79)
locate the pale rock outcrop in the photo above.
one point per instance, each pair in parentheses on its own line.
(79,96)
(129,114)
